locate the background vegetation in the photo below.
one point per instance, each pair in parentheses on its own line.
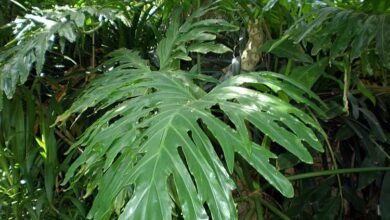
(268,109)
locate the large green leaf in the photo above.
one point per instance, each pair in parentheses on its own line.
(159,135)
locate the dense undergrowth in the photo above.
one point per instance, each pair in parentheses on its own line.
(269,109)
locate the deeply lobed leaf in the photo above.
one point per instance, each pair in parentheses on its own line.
(158,138)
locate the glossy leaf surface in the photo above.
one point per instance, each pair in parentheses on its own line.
(160,133)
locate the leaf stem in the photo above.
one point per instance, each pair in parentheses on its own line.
(198,58)
(288,67)
(338,171)
(273,209)
(326,173)
(347,79)
(335,167)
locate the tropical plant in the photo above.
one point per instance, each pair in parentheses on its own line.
(347,39)
(156,142)
(36,33)
(178,112)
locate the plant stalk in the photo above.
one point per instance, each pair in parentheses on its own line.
(198,58)
(338,171)
(327,173)
(273,209)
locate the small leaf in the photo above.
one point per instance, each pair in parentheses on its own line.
(125,58)
(287,49)
(79,19)
(308,75)
(66,31)
(374,124)
(208,47)
(270,4)
(195,35)
(367,93)
(286,160)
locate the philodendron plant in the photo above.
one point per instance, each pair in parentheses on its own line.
(162,141)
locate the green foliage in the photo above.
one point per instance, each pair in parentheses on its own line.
(330,29)
(17,154)
(200,34)
(159,132)
(287,49)
(37,32)
(155,134)
(29,162)
(162,114)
